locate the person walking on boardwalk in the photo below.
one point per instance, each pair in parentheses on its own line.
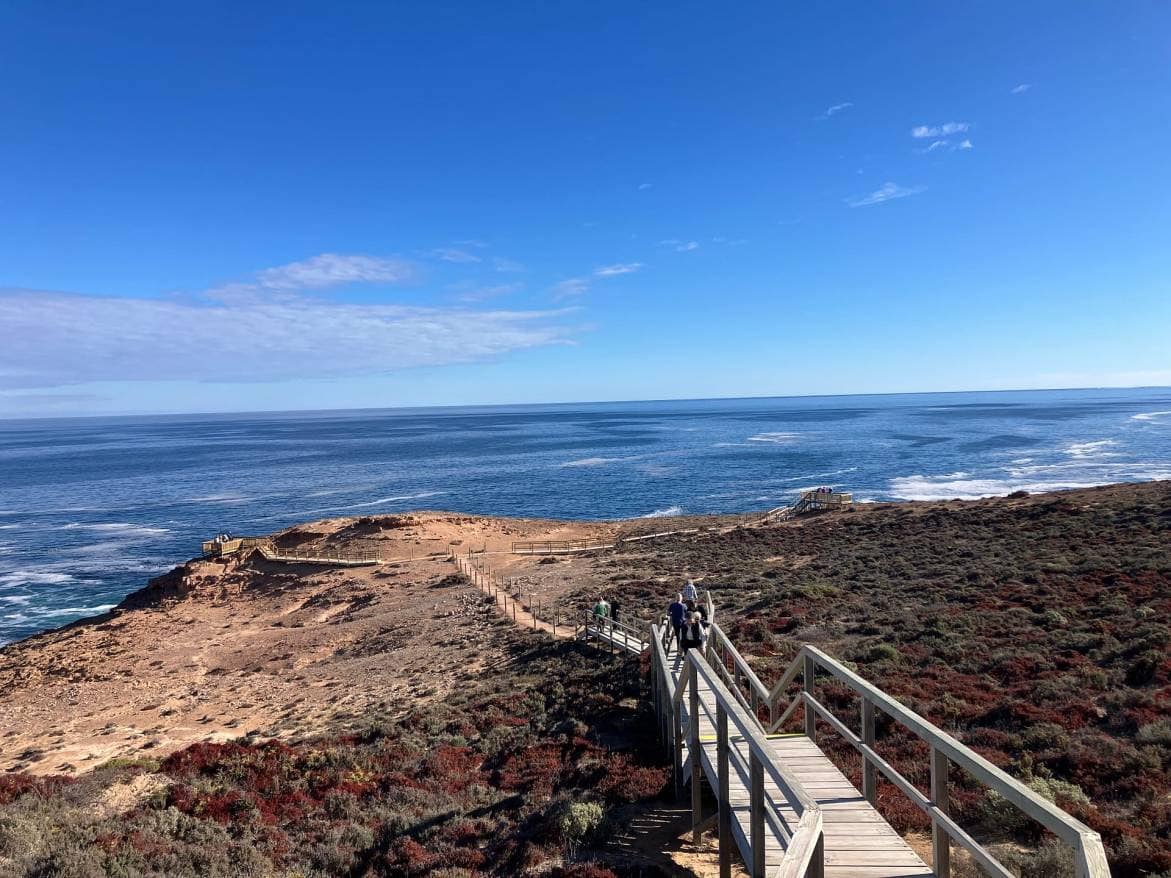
(694,633)
(614,610)
(601,612)
(677,613)
(689,592)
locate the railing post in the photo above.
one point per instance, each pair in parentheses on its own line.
(869,774)
(722,769)
(940,842)
(677,735)
(807,685)
(756,814)
(694,751)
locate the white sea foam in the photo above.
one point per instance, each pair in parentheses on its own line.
(380,502)
(775,438)
(919,487)
(1083,450)
(122,528)
(11,526)
(664,513)
(219,499)
(835,472)
(1149,416)
(595,461)
(34,577)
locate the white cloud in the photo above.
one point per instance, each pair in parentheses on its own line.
(570,288)
(320,272)
(55,339)
(453,254)
(1021,89)
(944,130)
(263,329)
(950,145)
(482,294)
(836,108)
(619,268)
(886,192)
(506,265)
(642,187)
(689,245)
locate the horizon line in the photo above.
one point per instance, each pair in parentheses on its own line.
(499,405)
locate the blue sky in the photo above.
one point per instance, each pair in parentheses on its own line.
(297,205)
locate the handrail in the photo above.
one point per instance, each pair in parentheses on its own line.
(1090,856)
(798,797)
(549,546)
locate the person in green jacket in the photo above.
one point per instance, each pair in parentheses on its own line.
(601,613)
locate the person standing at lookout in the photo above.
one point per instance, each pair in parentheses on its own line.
(677,613)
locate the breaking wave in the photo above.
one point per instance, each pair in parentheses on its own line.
(664,513)
(1149,416)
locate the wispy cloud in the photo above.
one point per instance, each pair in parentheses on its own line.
(886,192)
(454,254)
(571,288)
(642,187)
(507,266)
(950,145)
(619,268)
(1021,89)
(836,108)
(679,246)
(320,272)
(945,130)
(483,294)
(56,339)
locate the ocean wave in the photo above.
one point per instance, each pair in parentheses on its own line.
(1091,449)
(775,438)
(11,526)
(664,513)
(219,499)
(835,472)
(28,613)
(1149,416)
(594,461)
(35,577)
(122,528)
(919,487)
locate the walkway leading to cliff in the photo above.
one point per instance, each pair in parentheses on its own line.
(784,806)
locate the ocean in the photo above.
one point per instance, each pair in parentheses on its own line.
(92,508)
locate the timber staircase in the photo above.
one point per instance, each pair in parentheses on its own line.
(789,810)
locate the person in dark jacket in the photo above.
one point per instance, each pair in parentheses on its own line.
(614,610)
(677,613)
(694,634)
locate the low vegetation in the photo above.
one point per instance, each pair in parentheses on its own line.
(506,778)
(1035,629)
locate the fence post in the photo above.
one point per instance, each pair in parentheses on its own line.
(722,768)
(756,813)
(869,775)
(694,751)
(807,685)
(940,841)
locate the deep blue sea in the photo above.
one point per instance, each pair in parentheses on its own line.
(91,508)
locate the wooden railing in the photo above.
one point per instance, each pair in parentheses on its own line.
(804,844)
(616,634)
(549,547)
(945,751)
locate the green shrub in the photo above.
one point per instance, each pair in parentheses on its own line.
(578,821)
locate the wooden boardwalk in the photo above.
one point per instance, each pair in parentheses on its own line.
(858,842)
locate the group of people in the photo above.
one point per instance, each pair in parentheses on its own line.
(687,614)
(605,609)
(689,619)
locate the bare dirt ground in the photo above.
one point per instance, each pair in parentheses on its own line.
(222,648)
